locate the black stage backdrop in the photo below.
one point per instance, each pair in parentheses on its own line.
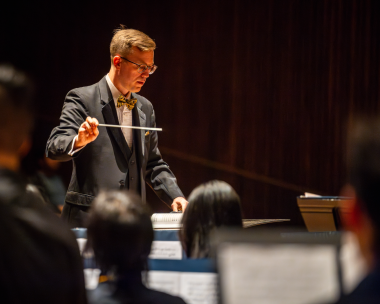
(255,93)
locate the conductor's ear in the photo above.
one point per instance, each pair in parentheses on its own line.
(117,62)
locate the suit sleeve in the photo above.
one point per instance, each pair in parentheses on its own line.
(74,113)
(158,175)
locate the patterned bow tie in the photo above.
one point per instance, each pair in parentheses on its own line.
(130,103)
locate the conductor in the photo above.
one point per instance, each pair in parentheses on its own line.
(112,158)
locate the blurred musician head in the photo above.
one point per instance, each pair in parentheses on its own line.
(213,204)
(120,232)
(363,216)
(40,262)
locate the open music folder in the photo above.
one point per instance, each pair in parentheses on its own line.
(272,267)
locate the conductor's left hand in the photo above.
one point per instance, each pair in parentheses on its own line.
(179,204)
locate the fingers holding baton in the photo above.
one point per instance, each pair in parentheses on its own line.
(88,132)
(91,126)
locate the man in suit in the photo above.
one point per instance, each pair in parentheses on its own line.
(362,215)
(39,256)
(111,158)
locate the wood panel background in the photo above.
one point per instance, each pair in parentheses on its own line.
(256,93)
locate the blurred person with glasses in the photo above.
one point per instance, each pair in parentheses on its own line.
(113,158)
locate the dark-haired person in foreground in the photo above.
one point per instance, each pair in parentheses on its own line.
(113,158)
(120,233)
(211,205)
(362,216)
(39,256)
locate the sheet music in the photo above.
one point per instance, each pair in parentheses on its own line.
(167,217)
(278,273)
(166,250)
(166,220)
(199,288)
(193,287)
(166,281)
(308,194)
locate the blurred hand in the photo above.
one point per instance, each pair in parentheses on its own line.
(87,133)
(179,204)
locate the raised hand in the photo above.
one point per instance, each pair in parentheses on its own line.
(87,133)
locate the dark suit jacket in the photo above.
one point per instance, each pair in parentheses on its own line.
(39,256)
(368,290)
(103,164)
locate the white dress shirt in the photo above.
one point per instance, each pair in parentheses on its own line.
(124,115)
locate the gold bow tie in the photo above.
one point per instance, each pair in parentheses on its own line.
(130,103)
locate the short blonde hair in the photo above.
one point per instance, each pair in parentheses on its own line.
(124,39)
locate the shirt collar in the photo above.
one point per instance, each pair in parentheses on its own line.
(114,91)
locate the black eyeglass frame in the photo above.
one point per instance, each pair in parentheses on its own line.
(151,68)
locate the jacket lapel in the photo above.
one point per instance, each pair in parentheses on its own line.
(140,120)
(110,117)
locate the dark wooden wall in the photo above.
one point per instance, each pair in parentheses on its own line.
(256,93)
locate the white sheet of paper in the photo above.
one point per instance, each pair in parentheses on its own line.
(193,287)
(354,267)
(166,250)
(278,273)
(199,288)
(81,244)
(166,281)
(91,278)
(308,194)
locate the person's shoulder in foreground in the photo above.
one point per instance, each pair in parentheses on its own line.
(362,214)
(367,291)
(107,293)
(39,257)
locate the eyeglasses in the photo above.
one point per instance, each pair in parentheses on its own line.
(143,67)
